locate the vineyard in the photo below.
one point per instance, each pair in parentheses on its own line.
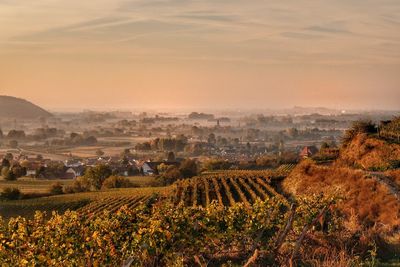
(164,235)
(85,202)
(8,210)
(226,188)
(236,216)
(112,204)
(283,170)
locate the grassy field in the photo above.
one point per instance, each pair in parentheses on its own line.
(31,185)
(142,181)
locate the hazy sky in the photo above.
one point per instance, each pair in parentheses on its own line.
(201,53)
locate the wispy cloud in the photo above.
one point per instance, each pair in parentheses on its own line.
(214,28)
(323,29)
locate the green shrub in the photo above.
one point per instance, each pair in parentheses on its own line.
(8,174)
(79,185)
(116,182)
(56,189)
(10,193)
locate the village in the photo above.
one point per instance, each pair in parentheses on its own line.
(126,164)
(65,145)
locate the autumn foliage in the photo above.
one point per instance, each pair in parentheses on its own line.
(369,153)
(370,199)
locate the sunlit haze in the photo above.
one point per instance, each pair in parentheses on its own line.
(201,54)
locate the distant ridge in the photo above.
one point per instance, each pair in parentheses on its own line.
(17,108)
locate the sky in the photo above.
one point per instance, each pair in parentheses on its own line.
(201,53)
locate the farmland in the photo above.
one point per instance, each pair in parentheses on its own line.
(273,212)
(226,188)
(28,185)
(112,204)
(61,203)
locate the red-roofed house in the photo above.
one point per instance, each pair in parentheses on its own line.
(308,151)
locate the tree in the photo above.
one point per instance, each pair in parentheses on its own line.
(217,164)
(99,152)
(10,193)
(171,156)
(53,170)
(91,140)
(9,156)
(18,171)
(162,168)
(211,139)
(8,174)
(5,163)
(74,135)
(1,134)
(13,143)
(292,132)
(324,145)
(116,182)
(146,146)
(4,170)
(79,185)
(171,175)
(96,175)
(16,134)
(222,141)
(56,189)
(365,127)
(126,153)
(188,168)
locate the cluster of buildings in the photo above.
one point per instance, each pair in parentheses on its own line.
(39,167)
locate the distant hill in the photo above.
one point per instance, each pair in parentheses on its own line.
(17,108)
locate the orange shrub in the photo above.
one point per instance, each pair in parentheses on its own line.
(369,153)
(370,200)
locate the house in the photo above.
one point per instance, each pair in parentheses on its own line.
(308,151)
(74,172)
(31,172)
(151,167)
(91,162)
(73,163)
(121,170)
(31,165)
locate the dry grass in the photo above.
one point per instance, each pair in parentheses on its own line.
(369,153)
(368,199)
(394,175)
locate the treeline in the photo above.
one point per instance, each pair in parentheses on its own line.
(75,139)
(176,144)
(57,136)
(11,170)
(38,134)
(96,178)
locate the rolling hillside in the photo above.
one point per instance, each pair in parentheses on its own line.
(17,108)
(370,153)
